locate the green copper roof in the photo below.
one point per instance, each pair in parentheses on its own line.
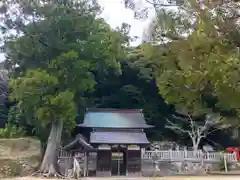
(113,137)
(114,118)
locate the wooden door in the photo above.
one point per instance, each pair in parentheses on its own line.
(104,163)
(134,161)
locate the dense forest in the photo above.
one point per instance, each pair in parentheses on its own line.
(62,58)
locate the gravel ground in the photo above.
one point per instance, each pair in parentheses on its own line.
(142,178)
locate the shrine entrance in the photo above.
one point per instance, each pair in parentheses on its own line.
(119,151)
(119,160)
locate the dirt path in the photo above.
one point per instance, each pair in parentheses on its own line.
(137,178)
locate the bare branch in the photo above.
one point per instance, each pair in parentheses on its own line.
(174,126)
(211,122)
(198,131)
(220,128)
(179,129)
(203,129)
(192,125)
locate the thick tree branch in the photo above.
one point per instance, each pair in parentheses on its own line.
(197,131)
(174,126)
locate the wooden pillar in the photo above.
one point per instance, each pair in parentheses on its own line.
(140,161)
(85,164)
(97,160)
(126,159)
(118,161)
(110,160)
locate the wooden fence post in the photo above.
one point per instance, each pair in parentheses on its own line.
(202,158)
(185,153)
(170,154)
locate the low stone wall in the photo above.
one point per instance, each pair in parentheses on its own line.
(175,168)
(19,157)
(149,169)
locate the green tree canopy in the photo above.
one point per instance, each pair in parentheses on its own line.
(62,48)
(194,60)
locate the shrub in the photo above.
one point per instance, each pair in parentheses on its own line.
(11,131)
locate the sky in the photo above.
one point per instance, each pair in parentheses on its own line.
(115,14)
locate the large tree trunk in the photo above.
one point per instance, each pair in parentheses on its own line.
(49,163)
(195,144)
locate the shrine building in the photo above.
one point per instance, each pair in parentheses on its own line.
(111,140)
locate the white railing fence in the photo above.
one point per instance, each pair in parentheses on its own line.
(172,155)
(64,154)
